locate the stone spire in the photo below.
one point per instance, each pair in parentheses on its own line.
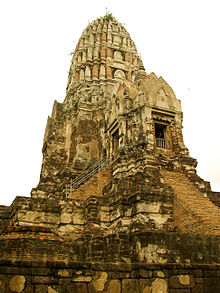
(112,109)
(117,186)
(105,53)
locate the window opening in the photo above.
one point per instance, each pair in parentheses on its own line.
(160,135)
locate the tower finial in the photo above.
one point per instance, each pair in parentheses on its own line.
(108,14)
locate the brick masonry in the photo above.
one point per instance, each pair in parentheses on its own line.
(109,277)
(94,186)
(193,212)
(144,223)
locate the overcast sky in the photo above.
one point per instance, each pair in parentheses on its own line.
(178,40)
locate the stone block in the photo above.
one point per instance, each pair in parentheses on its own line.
(104,217)
(99,284)
(39,271)
(159,285)
(198,289)
(114,286)
(146,289)
(65,218)
(148,207)
(131,286)
(83,279)
(64,273)
(17,284)
(76,288)
(211,285)
(67,228)
(44,280)
(41,289)
(145,273)
(181,281)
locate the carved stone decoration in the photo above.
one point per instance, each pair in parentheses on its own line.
(90,52)
(87,73)
(118,196)
(82,75)
(109,72)
(95,72)
(117,56)
(102,72)
(119,74)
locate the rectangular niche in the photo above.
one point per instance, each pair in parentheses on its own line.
(161,135)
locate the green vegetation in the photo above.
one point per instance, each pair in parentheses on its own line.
(75,104)
(108,16)
(95,278)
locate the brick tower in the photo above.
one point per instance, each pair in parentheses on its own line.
(114,111)
(117,185)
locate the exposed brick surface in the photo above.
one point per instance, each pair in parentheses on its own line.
(94,186)
(215,198)
(117,232)
(4,216)
(192,211)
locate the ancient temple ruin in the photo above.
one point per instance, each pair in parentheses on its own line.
(119,206)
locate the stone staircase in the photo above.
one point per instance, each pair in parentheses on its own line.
(93,186)
(87,174)
(193,213)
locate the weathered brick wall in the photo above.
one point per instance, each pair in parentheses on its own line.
(78,277)
(35,211)
(94,186)
(193,212)
(36,243)
(131,203)
(33,243)
(4,216)
(215,198)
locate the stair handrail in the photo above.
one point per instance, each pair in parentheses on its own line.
(87,174)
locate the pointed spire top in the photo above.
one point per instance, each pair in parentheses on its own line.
(105,52)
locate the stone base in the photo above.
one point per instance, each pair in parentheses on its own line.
(86,277)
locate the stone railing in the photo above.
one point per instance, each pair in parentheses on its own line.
(161,143)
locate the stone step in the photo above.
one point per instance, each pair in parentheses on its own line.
(94,186)
(205,212)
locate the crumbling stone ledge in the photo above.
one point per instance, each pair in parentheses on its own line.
(89,277)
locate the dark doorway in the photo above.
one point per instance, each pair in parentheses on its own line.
(160,135)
